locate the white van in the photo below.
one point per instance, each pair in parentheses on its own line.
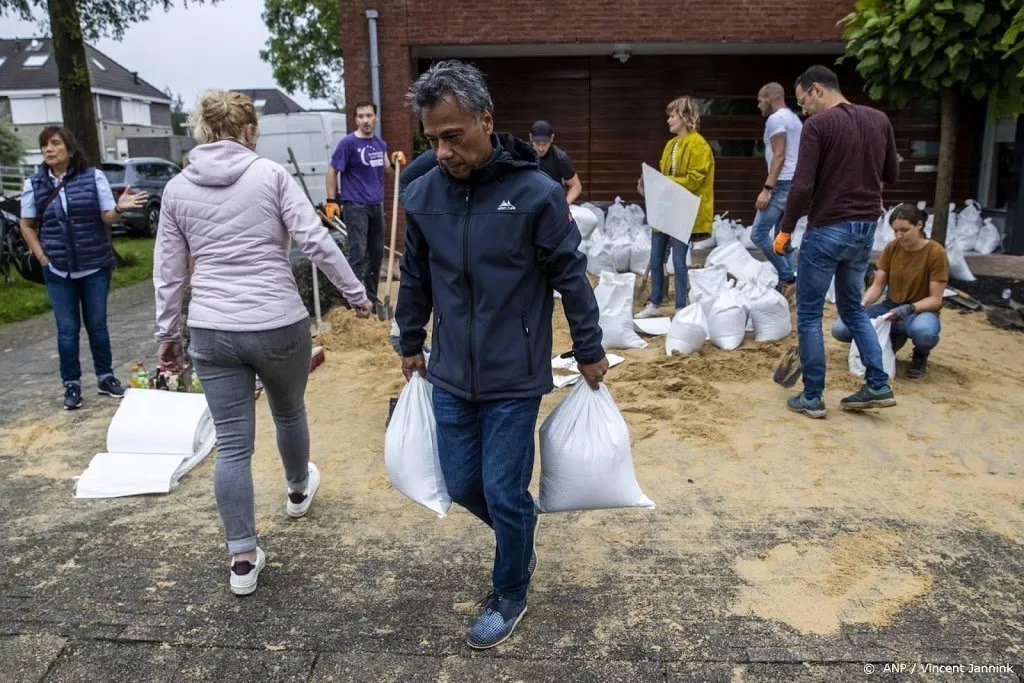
(312,135)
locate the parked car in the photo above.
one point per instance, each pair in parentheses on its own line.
(149,174)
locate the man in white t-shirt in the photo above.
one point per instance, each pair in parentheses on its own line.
(781,145)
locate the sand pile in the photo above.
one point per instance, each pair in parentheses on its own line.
(815,587)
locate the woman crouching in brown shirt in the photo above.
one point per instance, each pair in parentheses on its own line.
(916,269)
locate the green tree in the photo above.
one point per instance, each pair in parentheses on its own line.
(71,23)
(305,47)
(1012,42)
(12,147)
(179,117)
(906,49)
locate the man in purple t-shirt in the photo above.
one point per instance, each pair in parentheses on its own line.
(355,189)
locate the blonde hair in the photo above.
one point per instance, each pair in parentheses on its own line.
(222,115)
(688,110)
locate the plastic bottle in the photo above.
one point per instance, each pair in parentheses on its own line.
(133,378)
(143,377)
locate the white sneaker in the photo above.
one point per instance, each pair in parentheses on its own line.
(300,508)
(650,311)
(244,584)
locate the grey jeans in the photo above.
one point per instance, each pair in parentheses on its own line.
(227,364)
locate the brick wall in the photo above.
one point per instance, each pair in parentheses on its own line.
(567,21)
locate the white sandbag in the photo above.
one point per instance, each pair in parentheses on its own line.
(614,294)
(727,322)
(635,215)
(798,232)
(745,237)
(410,448)
(706,284)
(883,231)
(585,458)
(703,245)
(830,295)
(989,239)
(670,266)
(608,253)
(737,261)
(958,268)
(767,275)
(597,211)
(769,311)
(688,331)
(968,225)
(640,249)
(617,220)
(882,329)
(722,230)
(585,219)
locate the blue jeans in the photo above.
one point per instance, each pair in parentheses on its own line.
(765,222)
(922,329)
(486,452)
(73,300)
(659,245)
(842,250)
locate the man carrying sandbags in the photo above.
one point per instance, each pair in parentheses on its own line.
(846,152)
(488,237)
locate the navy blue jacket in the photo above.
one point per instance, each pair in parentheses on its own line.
(76,240)
(484,255)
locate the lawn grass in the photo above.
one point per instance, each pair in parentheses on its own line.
(24,299)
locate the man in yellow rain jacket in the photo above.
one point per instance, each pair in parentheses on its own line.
(689,161)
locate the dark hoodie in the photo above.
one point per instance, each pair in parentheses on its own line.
(484,255)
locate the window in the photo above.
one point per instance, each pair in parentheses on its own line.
(28,110)
(99,64)
(2,60)
(135,112)
(924,149)
(115,173)
(155,171)
(35,61)
(737,148)
(259,104)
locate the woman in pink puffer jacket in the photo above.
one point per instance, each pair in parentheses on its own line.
(235,213)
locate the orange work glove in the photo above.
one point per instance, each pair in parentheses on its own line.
(332,209)
(782,242)
(398,158)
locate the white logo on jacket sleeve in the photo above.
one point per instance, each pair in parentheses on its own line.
(506,206)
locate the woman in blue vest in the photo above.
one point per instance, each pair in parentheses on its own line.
(65,210)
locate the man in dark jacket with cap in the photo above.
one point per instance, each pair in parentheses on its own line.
(488,237)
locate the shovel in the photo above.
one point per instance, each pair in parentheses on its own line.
(391,256)
(321,325)
(789,370)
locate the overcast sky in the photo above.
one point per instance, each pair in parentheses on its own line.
(190,50)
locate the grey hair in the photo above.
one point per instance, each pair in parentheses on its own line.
(463,81)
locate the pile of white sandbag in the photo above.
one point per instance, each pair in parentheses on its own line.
(966,232)
(735,258)
(616,242)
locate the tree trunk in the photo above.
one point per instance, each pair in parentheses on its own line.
(947,154)
(75,91)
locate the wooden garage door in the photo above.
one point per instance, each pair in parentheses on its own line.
(610,118)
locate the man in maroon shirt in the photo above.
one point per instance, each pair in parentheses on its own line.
(846,152)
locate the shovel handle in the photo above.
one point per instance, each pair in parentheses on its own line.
(394,233)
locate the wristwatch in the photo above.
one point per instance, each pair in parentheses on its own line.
(770,188)
(117,210)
